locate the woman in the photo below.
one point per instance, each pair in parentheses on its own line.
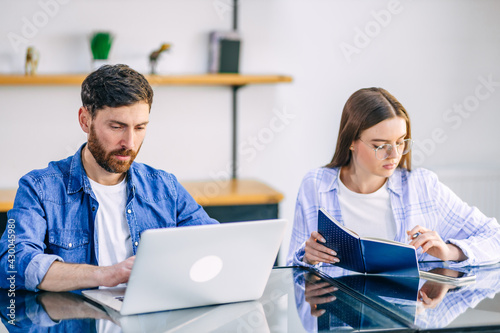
(369,187)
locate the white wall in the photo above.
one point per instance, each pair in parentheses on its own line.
(430,54)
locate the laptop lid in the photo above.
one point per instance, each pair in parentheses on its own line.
(201,265)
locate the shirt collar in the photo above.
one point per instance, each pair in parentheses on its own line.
(77,176)
(395,182)
(330,181)
(78,179)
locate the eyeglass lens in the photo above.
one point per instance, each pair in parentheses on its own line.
(385,150)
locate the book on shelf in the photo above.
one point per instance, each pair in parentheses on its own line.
(224,52)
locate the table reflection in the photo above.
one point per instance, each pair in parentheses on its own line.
(70,312)
(326,304)
(295,300)
(414,303)
(48,311)
(450,302)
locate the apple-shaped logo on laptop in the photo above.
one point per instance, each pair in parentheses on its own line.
(206,268)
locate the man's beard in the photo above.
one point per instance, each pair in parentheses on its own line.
(106,160)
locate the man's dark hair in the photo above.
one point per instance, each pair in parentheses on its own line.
(114,86)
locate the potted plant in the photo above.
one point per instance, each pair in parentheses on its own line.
(100,45)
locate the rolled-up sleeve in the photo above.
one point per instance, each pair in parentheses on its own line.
(22,245)
(37,268)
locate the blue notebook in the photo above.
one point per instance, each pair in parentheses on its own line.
(364,254)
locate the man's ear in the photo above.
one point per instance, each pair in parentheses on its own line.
(85,119)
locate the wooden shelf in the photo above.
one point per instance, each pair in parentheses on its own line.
(206,193)
(231,80)
(202,79)
(232,193)
(7,199)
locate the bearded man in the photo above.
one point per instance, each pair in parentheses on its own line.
(77,223)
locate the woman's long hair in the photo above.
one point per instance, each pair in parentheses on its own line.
(364,109)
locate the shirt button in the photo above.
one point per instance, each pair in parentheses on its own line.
(70,245)
(136,243)
(129,211)
(93,208)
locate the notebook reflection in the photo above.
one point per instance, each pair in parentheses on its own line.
(344,307)
(333,299)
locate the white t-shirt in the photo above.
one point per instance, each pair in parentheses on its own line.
(113,233)
(369,215)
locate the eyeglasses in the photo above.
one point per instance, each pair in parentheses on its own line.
(384,151)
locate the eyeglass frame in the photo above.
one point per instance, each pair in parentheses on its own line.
(410,141)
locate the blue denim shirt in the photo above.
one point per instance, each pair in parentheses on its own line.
(54,213)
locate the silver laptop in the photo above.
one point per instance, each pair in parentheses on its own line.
(193,266)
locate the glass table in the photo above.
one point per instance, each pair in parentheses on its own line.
(328,299)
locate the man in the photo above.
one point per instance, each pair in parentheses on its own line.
(77,224)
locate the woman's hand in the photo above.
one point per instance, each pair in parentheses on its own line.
(316,252)
(318,292)
(431,243)
(432,293)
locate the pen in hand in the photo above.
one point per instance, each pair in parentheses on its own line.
(414,236)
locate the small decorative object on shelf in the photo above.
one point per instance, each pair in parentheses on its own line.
(32,57)
(153,57)
(100,45)
(224,52)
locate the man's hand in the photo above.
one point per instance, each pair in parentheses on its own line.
(65,277)
(114,275)
(315,252)
(431,243)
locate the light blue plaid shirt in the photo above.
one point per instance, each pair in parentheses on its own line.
(417,198)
